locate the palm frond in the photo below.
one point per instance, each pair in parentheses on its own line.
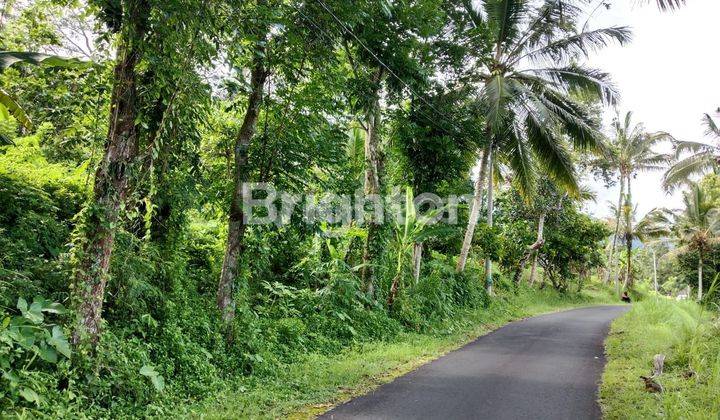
(550,152)
(495,97)
(575,77)
(505,17)
(682,171)
(652,161)
(711,128)
(579,45)
(520,160)
(545,22)
(575,120)
(692,147)
(655,224)
(665,5)
(587,194)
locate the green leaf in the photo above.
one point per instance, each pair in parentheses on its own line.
(34,314)
(4,114)
(11,106)
(59,342)
(54,308)
(11,377)
(148,370)
(157,380)
(10,58)
(22,305)
(48,354)
(30,395)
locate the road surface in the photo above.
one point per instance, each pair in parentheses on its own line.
(546,367)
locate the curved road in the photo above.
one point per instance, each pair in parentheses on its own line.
(546,367)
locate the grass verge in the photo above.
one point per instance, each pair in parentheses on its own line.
(689,338)
(318,382)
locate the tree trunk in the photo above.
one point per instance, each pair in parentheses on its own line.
(236,224)
(654,271)
(490,208)
(628,234)
(531,251)
(112,183)
(372,182)
(617,230)
(474,213)
(417,260)
(700,276)
(540,240)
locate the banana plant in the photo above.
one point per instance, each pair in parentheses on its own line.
(8,104)
(407,233)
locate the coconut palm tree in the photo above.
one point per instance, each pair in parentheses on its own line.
(704,157)
(527,74)
(631,151)
(653,226)
(698,226)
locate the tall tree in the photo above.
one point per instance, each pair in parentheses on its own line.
(652,227)
(437,153)
(112,178)
(698,227)
(632,150)
(278,34)
(526,85)
(703,158)
(382,42)
(140,108)
(259,71)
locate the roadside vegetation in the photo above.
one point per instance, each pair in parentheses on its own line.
(137,280)
(689,338)
(316,382)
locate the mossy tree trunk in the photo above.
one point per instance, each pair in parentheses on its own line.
(372,181)
(112,181)
(236,223)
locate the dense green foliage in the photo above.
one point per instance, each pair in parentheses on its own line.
(689,339)
(132,285)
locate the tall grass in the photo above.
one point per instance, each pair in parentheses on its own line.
(689,336)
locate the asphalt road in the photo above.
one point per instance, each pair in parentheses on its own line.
(546,367)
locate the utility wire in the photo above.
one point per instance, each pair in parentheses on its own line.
(390,71)
(328,37)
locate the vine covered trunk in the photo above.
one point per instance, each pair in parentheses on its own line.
(536,246)
(372,182)
(236,223)
(112,183)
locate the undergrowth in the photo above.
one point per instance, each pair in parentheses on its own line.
(688,336)
(315,382)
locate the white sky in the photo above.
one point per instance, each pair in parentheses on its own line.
(669,76)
